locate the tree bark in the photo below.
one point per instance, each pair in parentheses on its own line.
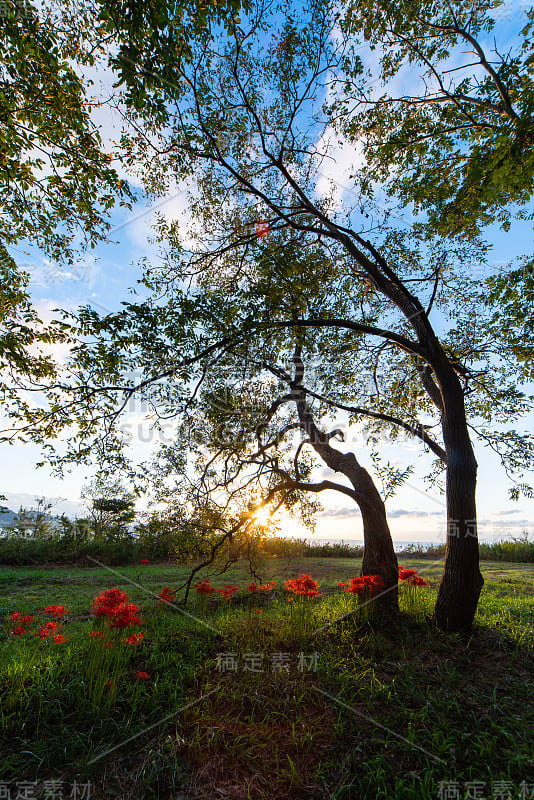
(462,581)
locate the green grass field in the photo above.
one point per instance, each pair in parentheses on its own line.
(239,704)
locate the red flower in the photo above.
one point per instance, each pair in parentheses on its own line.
(144,561)
(167,595)
(253,587)
(124,615)
(268,587)
(341,584)
(204,587)
(228,591)
(411,577)
(104,604)
(259,611)
(417,580)
(18,630)
(112,606)
(303,586)
(56,611)
(47,630)
(60,639)
(110,684)
(142,676)
(22,619)
(262,229)
(405,574)
(366,585)
(135,638)
(96,634)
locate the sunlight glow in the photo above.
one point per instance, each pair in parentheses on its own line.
(262,516)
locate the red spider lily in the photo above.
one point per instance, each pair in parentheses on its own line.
(411,577)
(341,584)
(253,587)
(268,587)
(56,611)
(262,229)
(167,595)
(228,591)
(405,574)
(259,611)
(142,676)
(96,634)
(47,630)
(60,639)
(144,561)
(104,604)
(204,587)
(303,586)
(18,630)
(112,606)
(417,580)
(110,684)
(366,585)
(124,615)
(22,619)
(135,638)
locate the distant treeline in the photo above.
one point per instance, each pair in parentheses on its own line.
(519,549)
(70,545)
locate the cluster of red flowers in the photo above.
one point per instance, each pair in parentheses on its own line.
(228,591)
(253,588)
(56,611)
(135,639)
(50,630)
(47,630)
(111,606)
(144,561)
(167,595)
(303,586)
(411,577)
(268,587)
(22,621)
(366,585)
(204,587)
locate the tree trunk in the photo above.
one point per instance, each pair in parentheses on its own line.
(379,555)
(462,581)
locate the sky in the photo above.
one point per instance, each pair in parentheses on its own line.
(102,279)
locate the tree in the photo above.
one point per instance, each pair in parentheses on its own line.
(241,450)
(244,113)
(56,181)
(22,334)
(111,507)
(458,145)
(244,128)
(34,523)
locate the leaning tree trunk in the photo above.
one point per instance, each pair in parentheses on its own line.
(379,554)
(462,581)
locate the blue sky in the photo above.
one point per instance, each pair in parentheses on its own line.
(103,278)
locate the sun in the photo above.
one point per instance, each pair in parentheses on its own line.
(262,516)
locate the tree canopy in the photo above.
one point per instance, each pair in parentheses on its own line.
(276,261)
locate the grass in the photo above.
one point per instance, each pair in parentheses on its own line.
(357,710)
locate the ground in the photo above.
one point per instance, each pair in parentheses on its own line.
(240,703)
